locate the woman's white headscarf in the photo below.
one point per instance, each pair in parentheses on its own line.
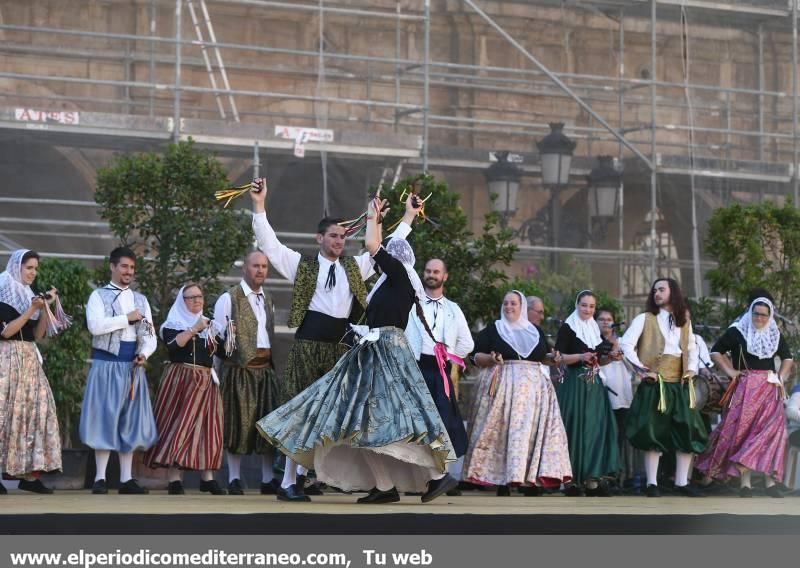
(180,318)
(763,343)
(586,330)
(402,251)
(13,291)
(521,335)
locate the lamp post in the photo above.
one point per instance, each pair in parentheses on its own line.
(604,183)
(556,156)
(503,179)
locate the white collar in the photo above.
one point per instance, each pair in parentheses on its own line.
(247,290)
(113,286)
(325,261)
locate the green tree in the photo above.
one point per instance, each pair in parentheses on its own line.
(756,246)
(477,265)
(163,207)
(66,354)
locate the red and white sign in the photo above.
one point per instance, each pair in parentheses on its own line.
(47,116)
(305,134)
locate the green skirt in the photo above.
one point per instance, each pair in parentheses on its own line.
(679,428)
(590,425)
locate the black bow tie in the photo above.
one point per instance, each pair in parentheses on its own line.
(671,321)
(437,302)
(330,283)
(259,297)
(430,300)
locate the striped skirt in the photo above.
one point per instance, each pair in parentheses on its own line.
(188,419)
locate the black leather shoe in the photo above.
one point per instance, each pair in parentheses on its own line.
(437,487)
(454,492)
(745,492)
(292,494)
(376,497)
(212,487)
(35,486)
(132,487)
(600,491)
(3,490)
(175,488)
(652,491)
(99,487)
(530,491)
(773,491)
(310,489)
(235,487)
(573,490)
(503,491)
(270,488)
(688,491)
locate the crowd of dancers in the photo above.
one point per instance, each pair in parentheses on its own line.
(368,399)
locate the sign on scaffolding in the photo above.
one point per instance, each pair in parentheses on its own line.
(47,116)
(303,135)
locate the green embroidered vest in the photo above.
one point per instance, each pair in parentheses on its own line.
(305,284)
(247,325)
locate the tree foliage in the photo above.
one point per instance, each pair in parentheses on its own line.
(163,207)
(65,355)
(477,264)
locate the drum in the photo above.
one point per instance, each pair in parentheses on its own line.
(708,391)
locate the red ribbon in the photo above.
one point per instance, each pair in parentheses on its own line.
(442,356)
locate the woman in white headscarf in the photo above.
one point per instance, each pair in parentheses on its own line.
(370,423)
(752,434)
(29,436)
(516,436)
(585,408)
(188,409)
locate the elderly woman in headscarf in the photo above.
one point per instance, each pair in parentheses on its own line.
(752,434)
(370,423)
(188,407)
(29,436)
(516,434)
(585,408)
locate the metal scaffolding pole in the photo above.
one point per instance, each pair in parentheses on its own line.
(426,92)
(796,180)
(176,113)
(653,147)
(621,110)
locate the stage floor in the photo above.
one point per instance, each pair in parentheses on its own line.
(79,512)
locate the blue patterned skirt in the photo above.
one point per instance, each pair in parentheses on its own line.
(373,409)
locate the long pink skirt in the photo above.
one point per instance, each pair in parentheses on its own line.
(188,413)
(752,433)
(516,436)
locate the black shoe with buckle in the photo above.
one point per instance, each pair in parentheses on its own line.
(35,486)
(212,487)
(745,493)
(437,487)
(175,488)
(132,487)
(99,487)
(652,491)
(773,491)
(271,487)
(310,489)
(688,490)
(292,494)
(235,487)
(377,497)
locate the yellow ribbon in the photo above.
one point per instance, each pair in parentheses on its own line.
(692,398)
(662,395)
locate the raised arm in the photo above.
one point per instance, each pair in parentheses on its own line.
(372,238)
(282,258)
(364,261)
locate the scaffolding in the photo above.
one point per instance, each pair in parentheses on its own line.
(414,99)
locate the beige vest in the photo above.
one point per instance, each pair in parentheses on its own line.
(650,349)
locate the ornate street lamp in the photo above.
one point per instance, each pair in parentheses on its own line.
(503,179)
(604,183)
(556,156)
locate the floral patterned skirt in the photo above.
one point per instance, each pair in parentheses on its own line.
(372,411)
(29,434)
(516,436)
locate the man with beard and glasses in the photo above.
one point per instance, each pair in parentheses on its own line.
(662,418)
(535,310)
(449,327)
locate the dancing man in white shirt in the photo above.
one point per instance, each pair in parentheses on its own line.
(328,294)
(662,418)
(449,327)
(116,414)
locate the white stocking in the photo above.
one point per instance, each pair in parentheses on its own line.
(383,481)
(267,473)
(651,466)
(301,470)
(101,463)
(744,480)
(683,462)
(234,466)
(175,474)
(207,475)
(125,466)
(289,474)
